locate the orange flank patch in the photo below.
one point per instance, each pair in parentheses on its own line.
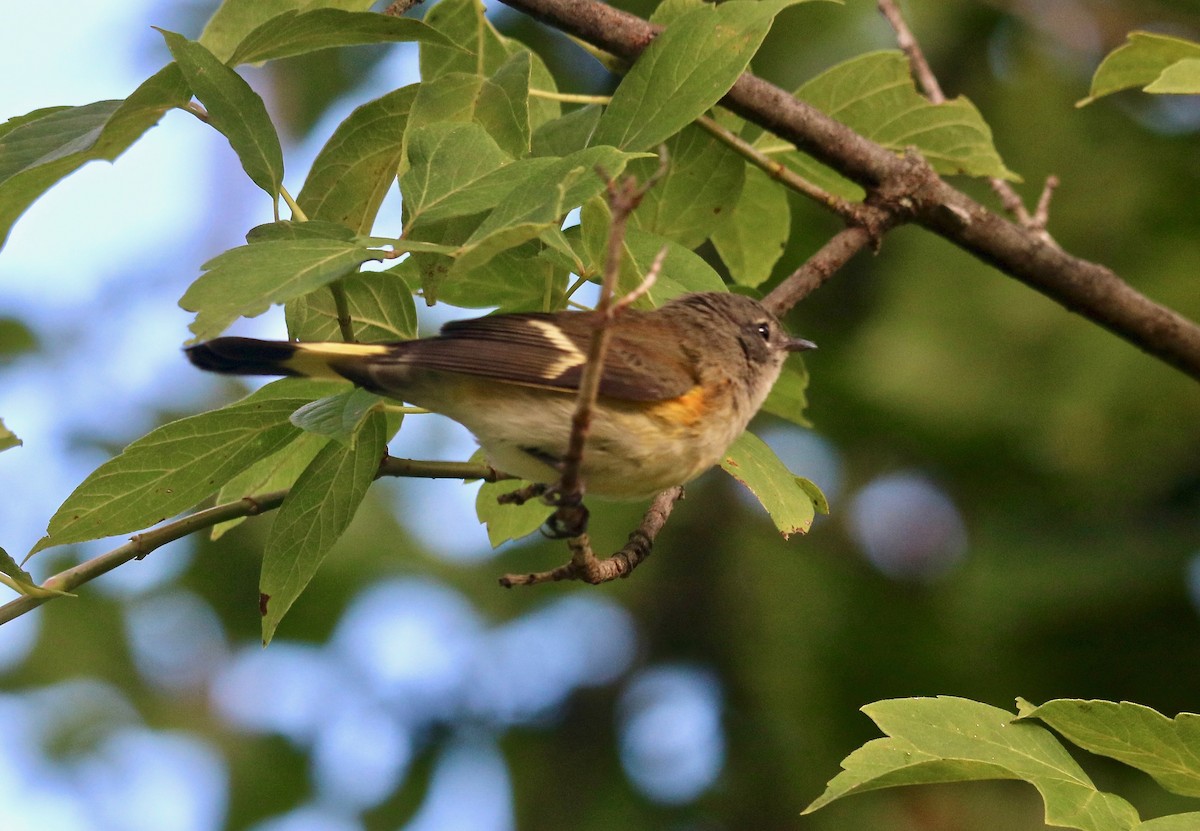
(685,411)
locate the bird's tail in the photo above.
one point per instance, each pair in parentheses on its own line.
(249,356)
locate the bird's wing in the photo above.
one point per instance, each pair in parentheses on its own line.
(550,351)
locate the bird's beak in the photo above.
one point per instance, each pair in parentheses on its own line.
(800,345)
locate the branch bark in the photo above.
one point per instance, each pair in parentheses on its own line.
(1084,287)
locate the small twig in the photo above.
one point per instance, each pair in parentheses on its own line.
(916,58)
(818,268)
(1042,214)
(623,198)
(397,8)
(586,567)
(142,544)
(779,172)
(1010,200)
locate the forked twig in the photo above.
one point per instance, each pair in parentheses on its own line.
(570,516)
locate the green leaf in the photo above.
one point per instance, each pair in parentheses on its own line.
(235,19)
(1180,78)
(955,740)
(568,134)
(450,172)
(36,152)
(503,105)
(540,202)
(381,309)
(819,500)
(316,512)
(754,238)
(685,70)
(697,196)
(508,522)
(8,439)
(175,466)
(297,32)
(756,466)
(787,398)
(20,581)
(276,472)
(1175,822)
(1139,62)
(517,280)
(874,94)
(500,103)
(337,416)
(356,167)
(234,109)
(290,229)
(1167,749)
(683,270)
(464,23)
(244,281)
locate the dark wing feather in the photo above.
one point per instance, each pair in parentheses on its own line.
(548,350)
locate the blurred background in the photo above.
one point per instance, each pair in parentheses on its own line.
(1015,493)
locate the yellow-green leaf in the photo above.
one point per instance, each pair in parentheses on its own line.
(316,512)
(1139,62)
(875,95)
(756,466)
(1167,749)
(175,466)
(948,739)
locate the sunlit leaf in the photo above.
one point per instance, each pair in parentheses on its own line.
(955,740)
(234,109)
(508,522)
(1180,78)
(787,398)
(316,512)
(1167,749)
(874,94)
(1139,62)
(756,466)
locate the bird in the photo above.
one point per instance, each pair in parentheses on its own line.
(679,384)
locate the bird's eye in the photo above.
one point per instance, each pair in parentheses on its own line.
(764,330)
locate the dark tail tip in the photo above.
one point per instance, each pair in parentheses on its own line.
(243,356)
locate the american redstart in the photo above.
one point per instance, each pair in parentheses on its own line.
(679,384)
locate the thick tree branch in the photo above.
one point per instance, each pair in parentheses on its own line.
(1083,287)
